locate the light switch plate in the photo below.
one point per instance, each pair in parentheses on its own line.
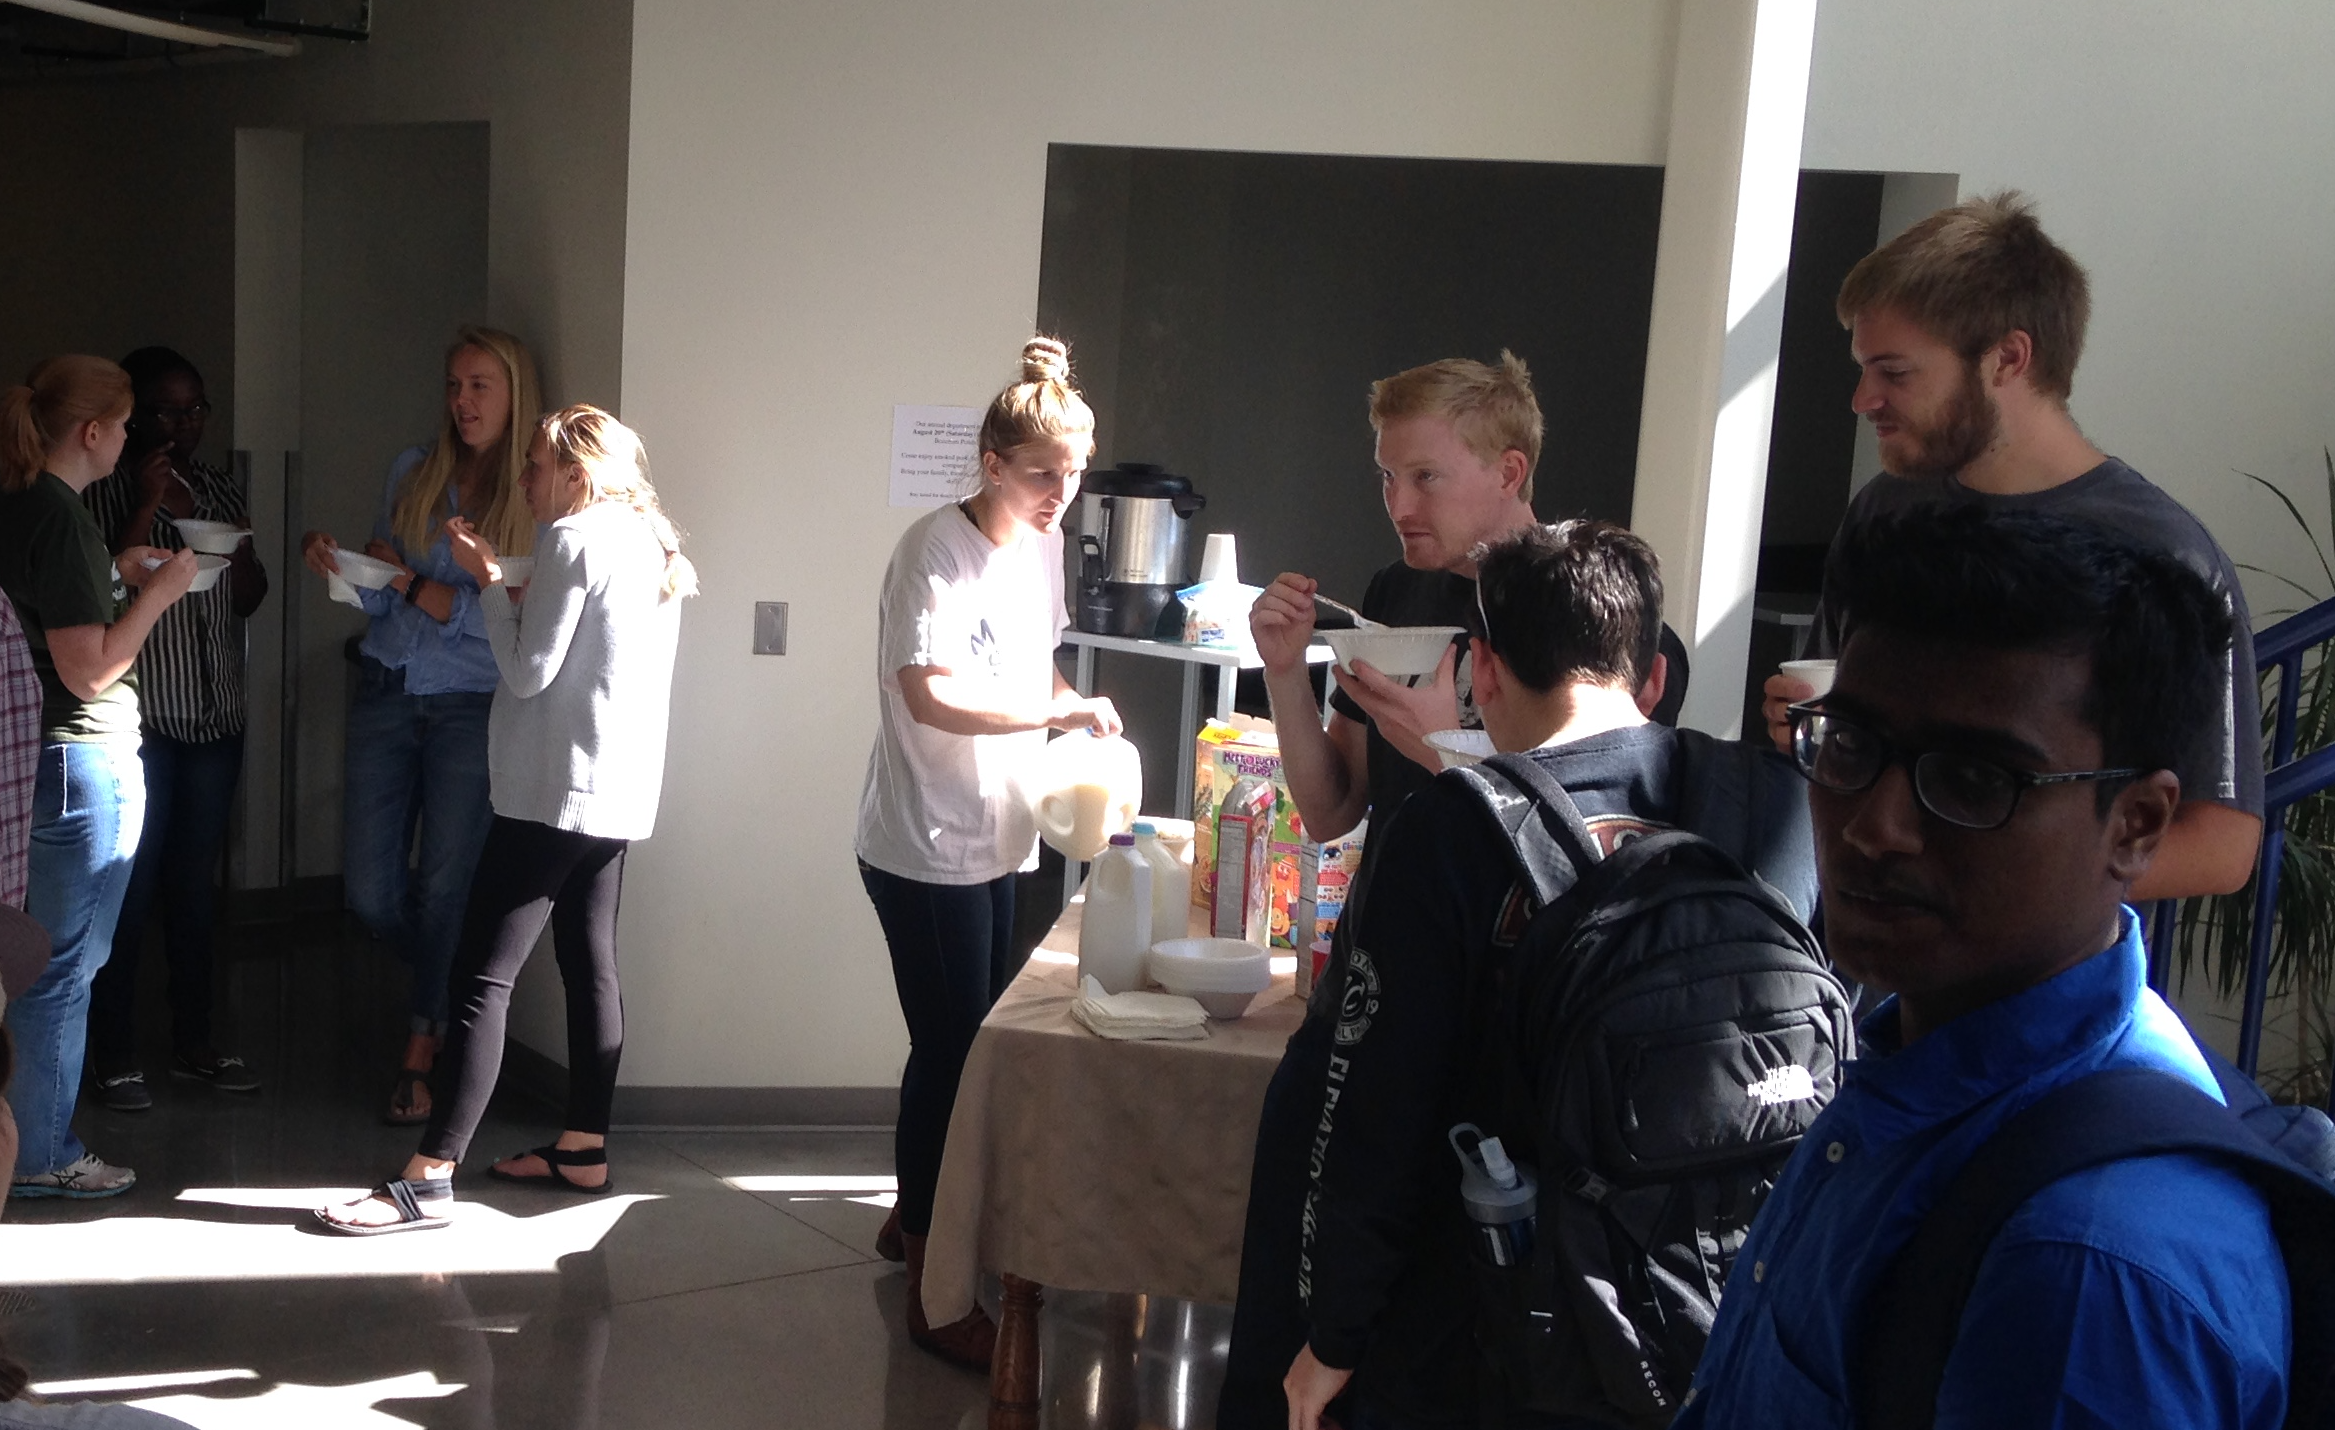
(770,628)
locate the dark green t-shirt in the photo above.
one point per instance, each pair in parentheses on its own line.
(57,572)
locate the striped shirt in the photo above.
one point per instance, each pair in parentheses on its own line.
(20,751)
(190,672)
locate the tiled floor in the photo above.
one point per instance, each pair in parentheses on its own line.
(729,1281)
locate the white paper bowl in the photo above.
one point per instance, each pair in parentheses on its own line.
(211,538)
(207,569)
(1392,650)
(1461,747)
(1817,673)
(359,569)
(517,570)
(1224,975)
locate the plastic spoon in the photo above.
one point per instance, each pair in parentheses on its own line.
(1361,621)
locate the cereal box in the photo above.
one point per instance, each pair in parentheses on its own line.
(1325,872)
(1240,905)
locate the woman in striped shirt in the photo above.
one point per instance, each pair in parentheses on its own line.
(191,706)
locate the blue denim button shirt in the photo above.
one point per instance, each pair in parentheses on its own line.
(2148,1292)
(438,659)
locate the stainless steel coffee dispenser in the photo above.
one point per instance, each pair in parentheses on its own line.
(1134,521)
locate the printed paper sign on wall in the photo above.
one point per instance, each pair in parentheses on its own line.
(933,451)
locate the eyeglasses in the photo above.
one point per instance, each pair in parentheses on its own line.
(1967,791)
(196,412)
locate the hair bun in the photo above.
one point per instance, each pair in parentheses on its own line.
(1045,360)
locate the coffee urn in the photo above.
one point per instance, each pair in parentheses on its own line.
(1133,522)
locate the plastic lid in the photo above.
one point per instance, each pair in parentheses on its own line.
(1145,826)
(1135,479)
(1127,840)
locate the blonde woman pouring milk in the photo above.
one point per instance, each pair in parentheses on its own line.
(967,687)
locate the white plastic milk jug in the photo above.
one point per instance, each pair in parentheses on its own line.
(1082,790)
(1171,883)
(1114,933)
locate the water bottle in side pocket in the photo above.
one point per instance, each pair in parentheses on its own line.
(1501,1197)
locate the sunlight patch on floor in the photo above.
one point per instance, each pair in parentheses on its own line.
(477,1240)
(288,1406)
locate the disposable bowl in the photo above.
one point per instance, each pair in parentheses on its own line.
(207,569)
(1460,747)
(211,538)
(1392,650)
(359,569)
(1224,975)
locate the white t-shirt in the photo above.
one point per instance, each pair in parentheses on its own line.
(940,808)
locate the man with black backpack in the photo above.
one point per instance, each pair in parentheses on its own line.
(1571,616)
(2031,1204)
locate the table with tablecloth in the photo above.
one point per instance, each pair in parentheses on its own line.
(1089,1164)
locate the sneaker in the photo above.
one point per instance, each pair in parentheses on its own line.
(124,1092)
(83,1180)
(227,1074)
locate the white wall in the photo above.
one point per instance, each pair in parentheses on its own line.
(836,209)
(2186,155)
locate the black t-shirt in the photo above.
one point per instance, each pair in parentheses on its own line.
(2225,766)
(1384,1239)
(1403,596)
(58,573)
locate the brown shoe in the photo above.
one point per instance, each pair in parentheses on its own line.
(969,1341)
(888,1240)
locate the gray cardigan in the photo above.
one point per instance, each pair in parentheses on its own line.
(577,738)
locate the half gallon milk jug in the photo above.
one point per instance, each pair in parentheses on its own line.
(1171,883)
(1114,933)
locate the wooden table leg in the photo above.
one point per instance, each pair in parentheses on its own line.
(1013,1370)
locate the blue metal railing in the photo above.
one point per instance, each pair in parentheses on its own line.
(2286,781)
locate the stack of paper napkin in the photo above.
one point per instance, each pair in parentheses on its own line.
(1138,1015)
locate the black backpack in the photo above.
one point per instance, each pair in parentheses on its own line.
(1665,1030)
(2286,1152)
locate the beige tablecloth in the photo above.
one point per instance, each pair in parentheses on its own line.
(1092,1165)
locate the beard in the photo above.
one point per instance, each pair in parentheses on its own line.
(1967,427)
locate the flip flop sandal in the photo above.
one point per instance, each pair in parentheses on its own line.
(407,1196)
(402,1112)
(554,1180)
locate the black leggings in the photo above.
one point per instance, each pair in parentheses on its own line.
(528,873)
(952,954)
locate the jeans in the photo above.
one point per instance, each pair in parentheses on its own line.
(89,800)
(952,954)
(529,873)
(190,787)
(415,762)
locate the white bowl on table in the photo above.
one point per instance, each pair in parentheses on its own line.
(1392,650)
(1456,748)
(1223,975)
(358,569)
(211,538)
(517,570)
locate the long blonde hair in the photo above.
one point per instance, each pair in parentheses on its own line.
(421,499)
(616,467)
(59,395)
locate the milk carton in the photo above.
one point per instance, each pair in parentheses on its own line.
(1240,906)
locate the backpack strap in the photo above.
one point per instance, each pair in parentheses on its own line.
(1548,841)
(1916,1311)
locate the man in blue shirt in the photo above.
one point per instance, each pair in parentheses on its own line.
(1989,775)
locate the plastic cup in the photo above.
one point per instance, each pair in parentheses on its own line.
(1220,559)
(1815,673)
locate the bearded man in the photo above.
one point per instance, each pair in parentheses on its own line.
(1967,328)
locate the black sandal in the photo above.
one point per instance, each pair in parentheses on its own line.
(407,1196)
(402,1112)
(554,1179)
